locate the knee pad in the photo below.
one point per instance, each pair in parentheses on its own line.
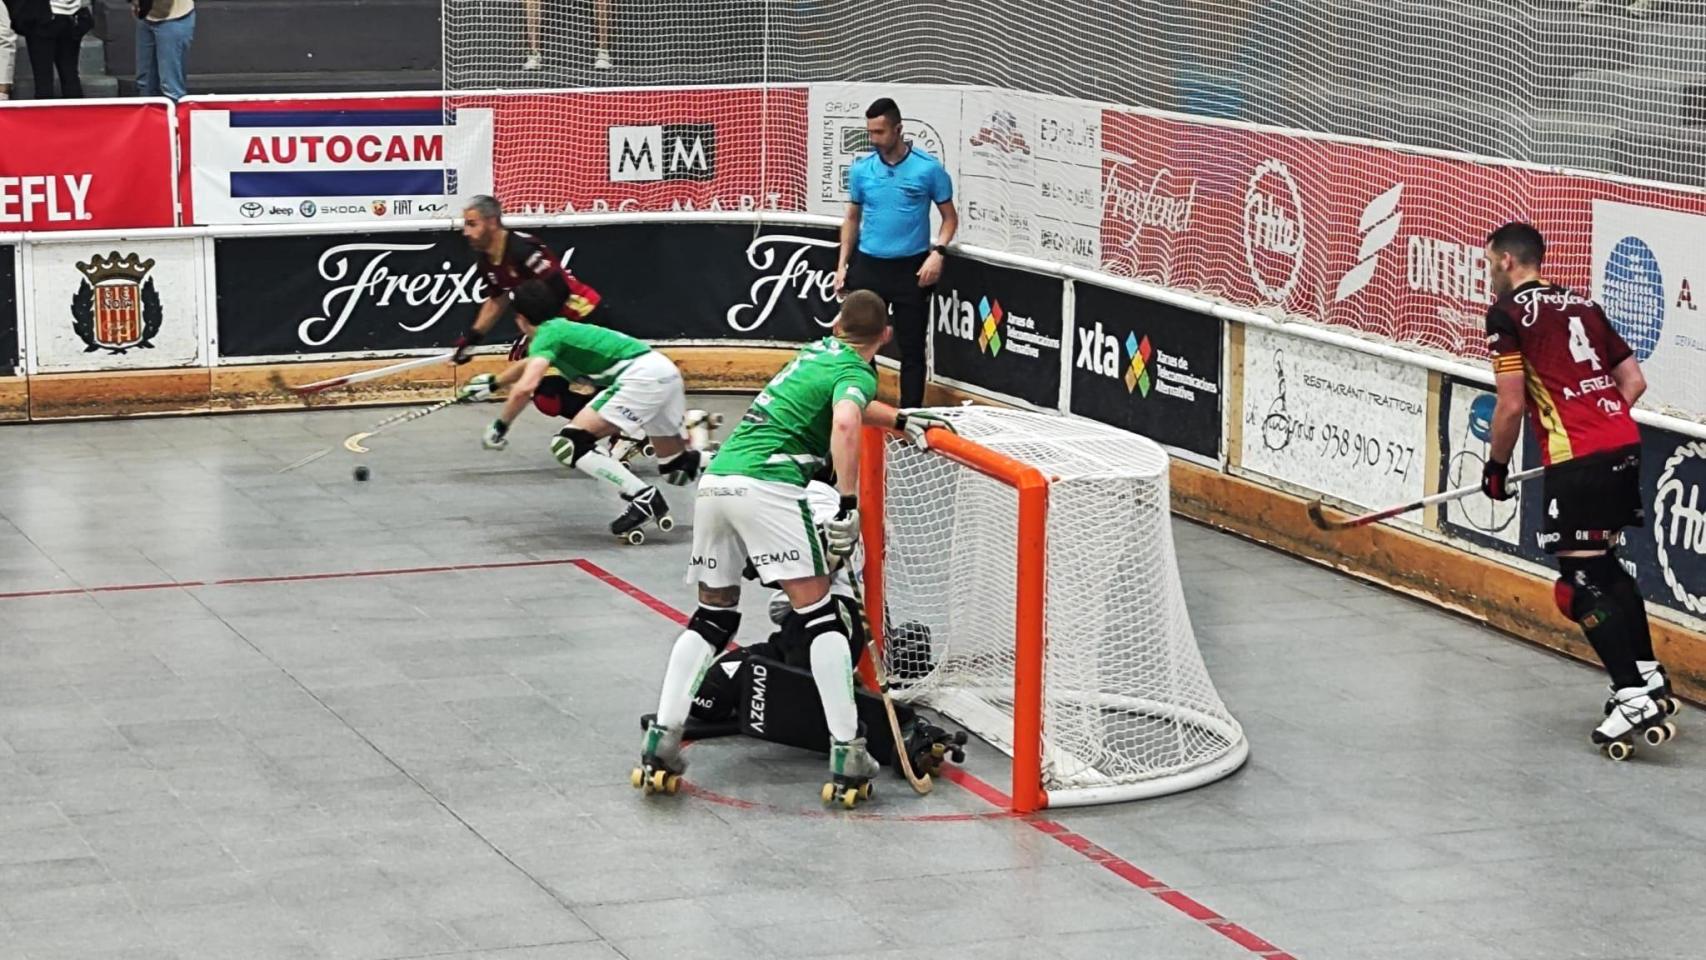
(1586,591)
(801,630)
(716,625)
(570,444)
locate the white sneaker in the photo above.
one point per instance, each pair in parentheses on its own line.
(603,60)
(531,63)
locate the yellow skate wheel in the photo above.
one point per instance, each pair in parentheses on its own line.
(849,798)
(672,784)
(865,791)
(660,779)
(1618,750)
(635,537)
(666,523)
(637,777)
(828,792)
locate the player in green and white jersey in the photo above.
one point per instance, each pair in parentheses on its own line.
(752,507)
(641,395)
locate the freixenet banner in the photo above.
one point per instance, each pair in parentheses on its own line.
(1147,367)
(287,296)
(9,359)
(331,160)
(89,166)
(997,329)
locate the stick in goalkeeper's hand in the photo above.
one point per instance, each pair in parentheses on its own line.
(1443,496)
(920,784)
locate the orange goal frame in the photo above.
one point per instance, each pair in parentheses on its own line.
(1030,561)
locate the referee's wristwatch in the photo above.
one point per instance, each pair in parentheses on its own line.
(940,248)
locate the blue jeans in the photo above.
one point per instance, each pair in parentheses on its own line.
(160,51)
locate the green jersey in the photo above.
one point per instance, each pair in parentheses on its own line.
(585,350)
(784,435)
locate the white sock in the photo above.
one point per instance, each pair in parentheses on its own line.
(688,662)
(832,671)
(601,466)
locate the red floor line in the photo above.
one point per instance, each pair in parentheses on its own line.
(289,578)
(1069,838)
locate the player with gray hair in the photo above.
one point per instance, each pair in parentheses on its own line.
(509,258)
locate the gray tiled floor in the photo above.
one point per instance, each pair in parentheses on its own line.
(435,763)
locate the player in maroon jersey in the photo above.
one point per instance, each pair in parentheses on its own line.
(1556,356)
(509,258)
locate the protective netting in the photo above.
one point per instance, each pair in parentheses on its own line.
(1128,707)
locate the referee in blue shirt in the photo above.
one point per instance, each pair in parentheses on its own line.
(885,239)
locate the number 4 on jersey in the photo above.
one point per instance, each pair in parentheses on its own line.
(1581,350)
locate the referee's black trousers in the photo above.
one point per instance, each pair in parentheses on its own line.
(896,281)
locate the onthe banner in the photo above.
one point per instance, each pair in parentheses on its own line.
(115,305)
(341,160)
(389,292)
(86,166)
(1336,421)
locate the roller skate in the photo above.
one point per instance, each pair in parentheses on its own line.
(645,507)
(851,767)
(661,763)
(624,449)
(1658,687)
(1633,714)
(929,746)
(699,426)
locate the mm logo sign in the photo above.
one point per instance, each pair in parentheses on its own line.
(663,151)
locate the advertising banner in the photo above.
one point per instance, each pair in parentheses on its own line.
(332,160)
(998,329)
(1647,264)
(1030,176)
(1336,421)
(1147,367)
(86,166)
(1465,439)
(282,296)
(930,120)
(10,359)
(115,305)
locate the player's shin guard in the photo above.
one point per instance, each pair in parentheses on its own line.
(709,630)
(1584,593)
(574,447)
(832,667)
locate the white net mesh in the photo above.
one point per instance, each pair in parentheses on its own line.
(1128,707)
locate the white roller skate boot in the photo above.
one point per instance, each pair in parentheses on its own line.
(661,762)
(851,768)
(645,507)
(699,427)
(1633,714)
(1658,687)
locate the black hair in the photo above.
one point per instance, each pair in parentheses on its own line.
(535,301)
(1521,240)
(884,107)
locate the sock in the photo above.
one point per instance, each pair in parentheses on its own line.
(832,671)
(1613,634)
(1632,604)
(688,662)
(602,466)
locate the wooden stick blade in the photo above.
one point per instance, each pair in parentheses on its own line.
(352,443)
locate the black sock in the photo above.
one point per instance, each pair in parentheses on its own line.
(1609,628)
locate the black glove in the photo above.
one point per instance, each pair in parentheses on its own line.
(1493,480)
(464,343)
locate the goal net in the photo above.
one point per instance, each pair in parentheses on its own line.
(1023,577)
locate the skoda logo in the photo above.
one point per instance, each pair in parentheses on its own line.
(1634,295)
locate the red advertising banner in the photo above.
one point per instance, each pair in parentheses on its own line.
(693,148)
(1384,241)
(86,166)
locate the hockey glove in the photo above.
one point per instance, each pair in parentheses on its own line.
(917,423)
(841,534)
(465,344)
(1493,480)
(495,438)
(479,387)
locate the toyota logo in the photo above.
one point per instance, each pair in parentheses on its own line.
(251,210)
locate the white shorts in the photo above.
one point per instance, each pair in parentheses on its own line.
(647,399)
(739,519)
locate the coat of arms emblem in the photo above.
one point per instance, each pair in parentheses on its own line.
(117,307)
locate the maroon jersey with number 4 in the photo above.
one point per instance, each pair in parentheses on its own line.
(1565,348)
(526,257)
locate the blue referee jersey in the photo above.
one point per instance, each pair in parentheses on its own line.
(895,201)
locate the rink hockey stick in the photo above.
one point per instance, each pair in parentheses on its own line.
(352,443)
(1443,496)
(320,386)
(920,785)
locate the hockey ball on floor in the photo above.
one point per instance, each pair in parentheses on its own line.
(361,473)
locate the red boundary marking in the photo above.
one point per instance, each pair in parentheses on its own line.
(292,578)
(1077,842)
